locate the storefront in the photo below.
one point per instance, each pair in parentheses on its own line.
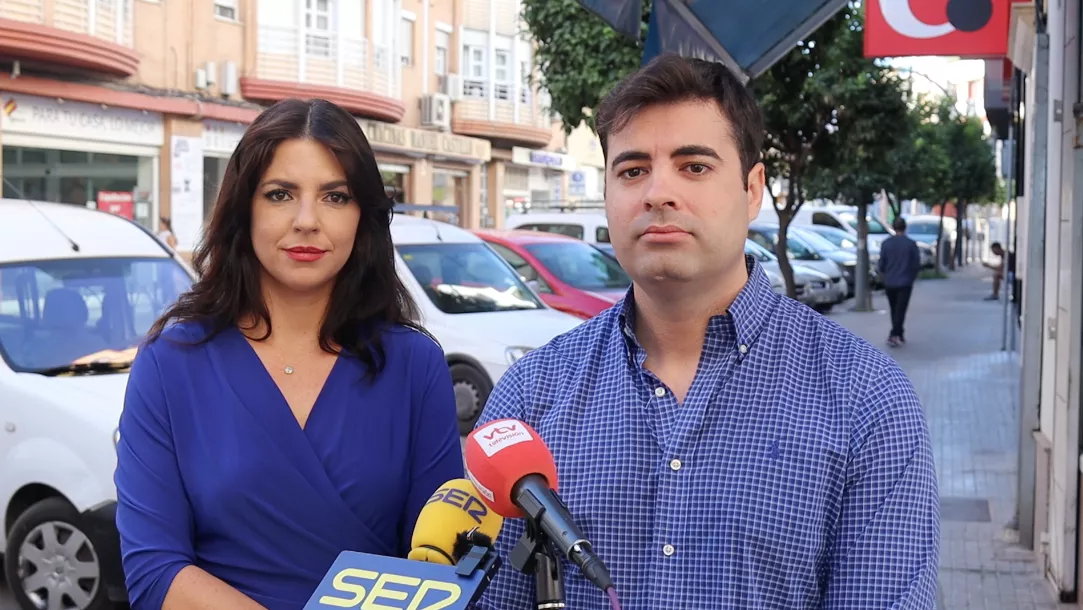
(81,154)
(430,168)
(547,176)
(220,139)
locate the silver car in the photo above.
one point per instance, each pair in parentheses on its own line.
(813,288)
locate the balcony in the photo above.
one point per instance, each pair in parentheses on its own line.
(350,72)
(94,35)
(513,122)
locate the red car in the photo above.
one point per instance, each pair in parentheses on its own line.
(569,275)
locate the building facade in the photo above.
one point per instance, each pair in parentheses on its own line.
(135,106)
(1046,105)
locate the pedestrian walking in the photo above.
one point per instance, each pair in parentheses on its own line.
(899,265)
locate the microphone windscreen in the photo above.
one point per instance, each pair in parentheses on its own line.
(453,509)
(499,455)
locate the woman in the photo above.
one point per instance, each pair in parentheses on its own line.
(287,408)
(165,233)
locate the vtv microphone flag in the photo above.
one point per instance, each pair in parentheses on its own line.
(514,471)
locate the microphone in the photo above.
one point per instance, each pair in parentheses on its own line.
(514,471)
(453,520)
(450,564)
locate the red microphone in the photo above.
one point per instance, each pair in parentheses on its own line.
(515,474)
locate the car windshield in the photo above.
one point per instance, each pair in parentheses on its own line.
(467,278)
(840,238)
(82,315)
(815,240)
(923,228)
(759,252)
(875,228)
(794,244)
(579,265)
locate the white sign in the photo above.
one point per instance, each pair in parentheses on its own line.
(542,158)
(44,116)
(186,190)
(220,138)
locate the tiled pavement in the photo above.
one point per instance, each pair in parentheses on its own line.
(969,388)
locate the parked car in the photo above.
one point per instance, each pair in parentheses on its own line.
(842,240)
(802,253)
(79,289)
(482,313)
(812,287)
(925,229)
(568,274)
(589,225)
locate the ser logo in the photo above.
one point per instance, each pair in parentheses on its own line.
(463,500)
(390,591)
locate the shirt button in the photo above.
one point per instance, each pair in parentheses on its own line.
(668,550)
(675,464)
(659,392)
(743,348)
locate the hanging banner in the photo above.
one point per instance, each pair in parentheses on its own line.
(973,29)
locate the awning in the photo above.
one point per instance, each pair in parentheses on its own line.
(743,34)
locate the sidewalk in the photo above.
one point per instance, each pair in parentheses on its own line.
(969,388)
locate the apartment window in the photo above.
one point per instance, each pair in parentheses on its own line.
(406,32)
(442,44)
(502,75)
(524,92)
(474,82)
(318,28)
(226,9)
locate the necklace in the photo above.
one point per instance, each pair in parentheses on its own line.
(288,370)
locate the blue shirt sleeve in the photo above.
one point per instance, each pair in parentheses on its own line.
(154,517)
(888,535)
(437,455)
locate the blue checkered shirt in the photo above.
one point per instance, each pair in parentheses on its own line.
(797,473)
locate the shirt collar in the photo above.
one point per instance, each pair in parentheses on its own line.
(746,316)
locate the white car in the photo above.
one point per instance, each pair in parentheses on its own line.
(813,288)
(78,291)
(479,309)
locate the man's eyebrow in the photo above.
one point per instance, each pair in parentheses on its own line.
(695,151)
(692,150)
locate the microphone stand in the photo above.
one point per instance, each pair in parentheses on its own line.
(533,554)
(479,557)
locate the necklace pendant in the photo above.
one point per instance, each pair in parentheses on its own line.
(288,370)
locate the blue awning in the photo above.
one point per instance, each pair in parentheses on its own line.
(747,35)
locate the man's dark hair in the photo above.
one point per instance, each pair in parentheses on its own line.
(670,78)
(899,224)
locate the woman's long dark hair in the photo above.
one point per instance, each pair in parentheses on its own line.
(368,296)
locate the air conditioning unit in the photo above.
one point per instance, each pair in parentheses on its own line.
(453,86)
(229,85)
(436,111)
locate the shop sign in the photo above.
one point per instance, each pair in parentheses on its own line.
(542,158)
(220,138)
(44,116)
(394,138)
(121,203)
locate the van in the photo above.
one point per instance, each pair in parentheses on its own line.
(79,289)
(479,309)
(589,225)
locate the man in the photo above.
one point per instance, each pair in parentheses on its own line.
(998,270)
(899,265)
(721,446)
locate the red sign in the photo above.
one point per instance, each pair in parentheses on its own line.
(962,28)
(121,203)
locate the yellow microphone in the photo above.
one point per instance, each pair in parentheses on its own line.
(453,520)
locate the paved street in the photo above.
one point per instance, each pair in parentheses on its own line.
(969,388)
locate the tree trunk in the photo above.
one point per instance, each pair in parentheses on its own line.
(940,240)
(862,294)
(785,215)
(960,232)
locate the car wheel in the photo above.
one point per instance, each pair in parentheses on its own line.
(472,388)
(50,562)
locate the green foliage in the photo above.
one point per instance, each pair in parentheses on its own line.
(579,56)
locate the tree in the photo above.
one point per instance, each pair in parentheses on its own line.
(973,172)
(579,56)
(833,117)
(920,166)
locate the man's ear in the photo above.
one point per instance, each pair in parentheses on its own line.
(757,182)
